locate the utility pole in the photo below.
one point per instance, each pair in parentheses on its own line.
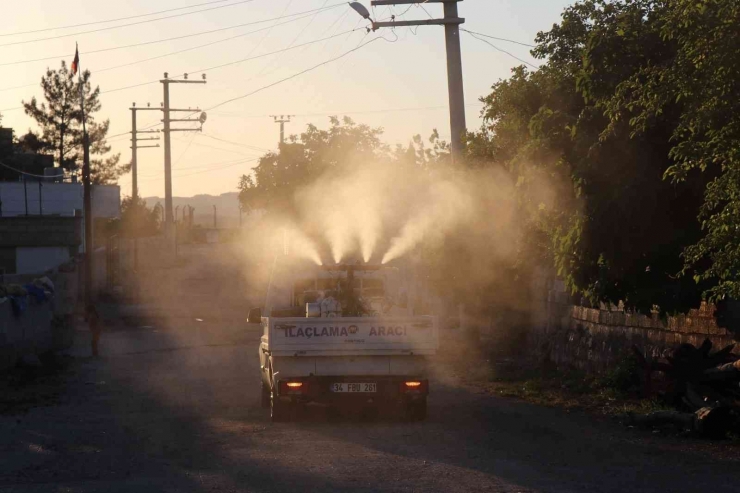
(282,120)
(135,171)
(168,218)
(215,216)
(452,22)
(135,146)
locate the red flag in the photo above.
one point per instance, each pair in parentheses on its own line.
(76,61)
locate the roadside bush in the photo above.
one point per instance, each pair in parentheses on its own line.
(625,377)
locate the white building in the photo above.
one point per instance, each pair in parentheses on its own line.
(37,226)
(49,198)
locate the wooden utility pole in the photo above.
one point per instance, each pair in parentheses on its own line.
(282,120)
(135,146)
(168,217)
(135,171)
(452,22)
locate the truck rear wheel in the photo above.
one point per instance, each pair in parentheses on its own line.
(279,411)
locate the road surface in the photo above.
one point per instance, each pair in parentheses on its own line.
(174,407)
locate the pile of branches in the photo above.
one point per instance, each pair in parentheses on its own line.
(703,388)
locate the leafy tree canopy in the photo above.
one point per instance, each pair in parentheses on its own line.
(618,229)
(307,157)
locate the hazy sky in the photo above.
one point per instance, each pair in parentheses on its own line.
(384,75)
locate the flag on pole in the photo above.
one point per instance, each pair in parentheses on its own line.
(76,61)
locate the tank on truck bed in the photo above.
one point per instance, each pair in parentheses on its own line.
(378,359)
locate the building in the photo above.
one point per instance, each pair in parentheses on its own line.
(62,199)
(34,244)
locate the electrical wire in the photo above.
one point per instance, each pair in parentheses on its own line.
(203,45)
(200,144)
(22,172)
(165,55)
(235,62)
(310,69)
(111,20)
(209,170)
(361,112)
(503,51)
(297,36)
(287,6)
(499,39)
(304,15)
(182,154)
(37,40)
(251,147)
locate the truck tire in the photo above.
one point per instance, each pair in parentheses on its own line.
(264,396)
(279,411)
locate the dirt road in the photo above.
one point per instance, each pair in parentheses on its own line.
(150,417)
(175,407)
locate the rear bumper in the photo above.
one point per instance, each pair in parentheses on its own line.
(390,389)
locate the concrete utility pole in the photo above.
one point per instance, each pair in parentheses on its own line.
(282,120)
(452,22)
(168,218)
(135,146)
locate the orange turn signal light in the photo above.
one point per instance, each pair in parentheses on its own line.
(413,384)
(295,385)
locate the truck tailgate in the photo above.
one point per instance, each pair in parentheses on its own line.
(364,336)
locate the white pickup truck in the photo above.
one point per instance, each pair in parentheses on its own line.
(311,354)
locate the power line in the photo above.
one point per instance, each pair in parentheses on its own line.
(296,74)
(200,144)
(111,20)
(209,170)
(254,148)
(37,40)
(360,112)
(203,45)
(502,51)
(299,15)
(499,39)
(235,62)
(21,172)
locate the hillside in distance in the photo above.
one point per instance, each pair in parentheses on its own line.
(227,208)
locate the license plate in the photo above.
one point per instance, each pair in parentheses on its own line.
(354,387)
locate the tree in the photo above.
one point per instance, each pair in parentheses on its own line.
(302,159)
(617,229)
(59,118)
(138,220)
(31,142)
(698,81)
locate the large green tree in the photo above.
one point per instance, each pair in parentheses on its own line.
(617,228)
(697,81)
(304,158)
(59,117)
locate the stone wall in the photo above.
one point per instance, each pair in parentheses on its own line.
(596,340)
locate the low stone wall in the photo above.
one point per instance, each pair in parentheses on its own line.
(596,340)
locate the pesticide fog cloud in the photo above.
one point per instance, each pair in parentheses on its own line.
(378,212)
